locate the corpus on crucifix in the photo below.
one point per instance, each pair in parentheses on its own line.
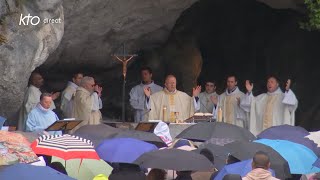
(124,63)
(124,59)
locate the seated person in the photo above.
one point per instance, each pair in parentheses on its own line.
(41,117)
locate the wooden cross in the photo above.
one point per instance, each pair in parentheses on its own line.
(124,60)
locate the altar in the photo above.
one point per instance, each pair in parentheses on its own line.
(175,128)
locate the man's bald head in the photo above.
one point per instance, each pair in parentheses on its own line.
(170,83)
(261,160)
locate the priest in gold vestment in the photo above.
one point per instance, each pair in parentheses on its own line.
(170,104)
(270,109)
(228,103)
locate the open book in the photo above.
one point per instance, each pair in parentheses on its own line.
(154,120)
(203,114)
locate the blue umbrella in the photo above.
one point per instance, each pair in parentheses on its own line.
(30,172)
(294,134)
(242,168)
(285,129)
(299,157)
(123,150)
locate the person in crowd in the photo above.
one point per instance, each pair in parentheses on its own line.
(32,98)
(260,168)
(207,98)
(157,174)
(41,117)
(205,174)
(69,93)
(170,104)
(229,104)
(270,109)
(137,96)
(87,103)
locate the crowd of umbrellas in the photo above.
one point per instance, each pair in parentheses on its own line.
(93,148)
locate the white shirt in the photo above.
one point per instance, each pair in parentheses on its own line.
(97,103)
(138,99)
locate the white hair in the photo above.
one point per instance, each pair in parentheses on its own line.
(85,80)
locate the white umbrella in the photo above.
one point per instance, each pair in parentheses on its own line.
(315,137)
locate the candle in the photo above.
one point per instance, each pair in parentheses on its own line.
(219,114)
(164,113)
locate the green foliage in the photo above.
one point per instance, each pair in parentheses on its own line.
(313,15)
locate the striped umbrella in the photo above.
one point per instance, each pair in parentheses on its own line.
(65,146)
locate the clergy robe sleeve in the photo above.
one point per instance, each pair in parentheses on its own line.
(241,114)
(68,95)
(136,101)
(215,108)
(290,98)
(31,124)
(32,100)
(86,101)
(214,111)
(96,102)
(246,101)
(196,104)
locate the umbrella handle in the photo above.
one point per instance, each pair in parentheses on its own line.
(80,165)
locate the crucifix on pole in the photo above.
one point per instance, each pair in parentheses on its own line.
(124,59)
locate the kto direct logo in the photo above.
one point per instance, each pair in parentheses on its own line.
(35,20)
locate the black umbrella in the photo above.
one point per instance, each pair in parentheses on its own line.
(220,154)
(141,135)
(207,130)
(246,150)
(96,133)
(174,159)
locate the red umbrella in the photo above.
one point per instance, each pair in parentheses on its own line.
(65,146)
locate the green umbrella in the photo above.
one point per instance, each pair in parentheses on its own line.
(89,168)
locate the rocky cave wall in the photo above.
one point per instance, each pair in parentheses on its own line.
(25,47)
